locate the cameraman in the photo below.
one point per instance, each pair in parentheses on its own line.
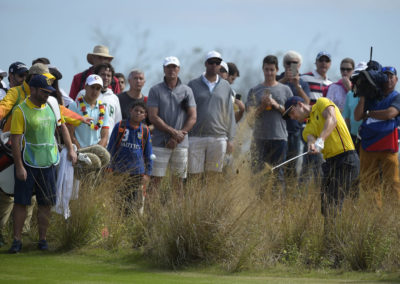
(379,139)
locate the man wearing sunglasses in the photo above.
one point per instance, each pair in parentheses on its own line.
(318,79)
(17,74)
(379,165)
(291,77)
(337,92)
(212,135)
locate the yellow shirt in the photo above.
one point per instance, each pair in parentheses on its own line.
(339,140)
(14,96)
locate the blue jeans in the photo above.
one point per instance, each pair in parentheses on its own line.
(272,152)
(311,167)
(293,150)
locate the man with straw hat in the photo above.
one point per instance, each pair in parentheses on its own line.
(99,55)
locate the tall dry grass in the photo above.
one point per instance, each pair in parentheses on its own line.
(98,217)
(238,221)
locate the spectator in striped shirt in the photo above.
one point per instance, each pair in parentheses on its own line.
(318,79)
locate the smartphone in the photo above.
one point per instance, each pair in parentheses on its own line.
(238,97)
(293,69)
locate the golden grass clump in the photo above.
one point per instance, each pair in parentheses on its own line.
(237,220)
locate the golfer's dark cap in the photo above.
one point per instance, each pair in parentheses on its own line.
(290,103)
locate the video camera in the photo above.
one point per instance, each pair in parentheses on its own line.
(369,83)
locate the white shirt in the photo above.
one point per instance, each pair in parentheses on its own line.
(210,85)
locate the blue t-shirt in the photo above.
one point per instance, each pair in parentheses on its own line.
(130,156)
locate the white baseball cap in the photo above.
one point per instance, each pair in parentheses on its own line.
(213,54)
(223,64)
(94,79)
(171,60)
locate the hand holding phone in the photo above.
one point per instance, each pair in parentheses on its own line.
(293,69)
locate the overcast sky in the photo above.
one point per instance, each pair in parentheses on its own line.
(141,33)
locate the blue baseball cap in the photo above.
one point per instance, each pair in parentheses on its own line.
(17,68)
(323,53)
(389,69)
(41,82)
(289,104)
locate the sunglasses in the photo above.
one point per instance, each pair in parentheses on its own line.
(345,69)
(327,60)
(291,62)
(214,61)
(389,69)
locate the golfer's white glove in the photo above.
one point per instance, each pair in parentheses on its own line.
(319,145)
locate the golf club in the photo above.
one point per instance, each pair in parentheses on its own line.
(284,163)
(141,209)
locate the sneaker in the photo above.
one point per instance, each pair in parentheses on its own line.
(42,245)
(15,247)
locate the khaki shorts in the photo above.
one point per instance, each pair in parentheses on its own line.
(177,159)
(206,154)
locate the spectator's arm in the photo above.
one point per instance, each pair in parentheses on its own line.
(104,136)
(384,114)
(191,116)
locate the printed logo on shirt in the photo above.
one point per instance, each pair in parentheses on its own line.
(130,145)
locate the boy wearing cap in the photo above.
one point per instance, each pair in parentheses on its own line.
(34,123)
(99,55)
(89,105)
(326,132)
(212,135)
(172,111)
(379,140)
(110,100)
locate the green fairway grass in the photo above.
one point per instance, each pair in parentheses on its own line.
(99,266)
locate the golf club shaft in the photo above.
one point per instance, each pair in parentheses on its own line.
(284,163)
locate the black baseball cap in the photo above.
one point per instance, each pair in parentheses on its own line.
(289,104)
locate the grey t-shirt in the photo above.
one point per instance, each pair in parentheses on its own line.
(126,102)
(172,106)
(269,125)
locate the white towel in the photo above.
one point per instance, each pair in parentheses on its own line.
(67,186)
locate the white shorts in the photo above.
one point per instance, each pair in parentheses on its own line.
(206,154)
(178,165)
